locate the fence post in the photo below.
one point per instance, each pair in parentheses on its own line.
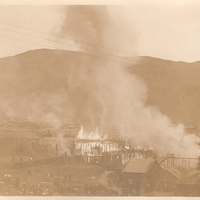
(57,162)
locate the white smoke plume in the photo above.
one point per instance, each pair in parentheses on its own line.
(105,96)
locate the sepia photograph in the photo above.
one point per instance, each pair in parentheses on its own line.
(100,100)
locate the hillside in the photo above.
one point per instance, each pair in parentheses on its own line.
(173,87)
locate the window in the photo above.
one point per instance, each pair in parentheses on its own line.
(130,181)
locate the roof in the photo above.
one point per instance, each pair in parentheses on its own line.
(139,165)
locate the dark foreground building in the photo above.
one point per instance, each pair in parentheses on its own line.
(144,176)
(141,175)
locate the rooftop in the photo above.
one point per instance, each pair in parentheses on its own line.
(139,166)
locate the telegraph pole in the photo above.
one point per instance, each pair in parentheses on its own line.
(57,161)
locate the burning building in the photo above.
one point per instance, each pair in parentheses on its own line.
(91,147)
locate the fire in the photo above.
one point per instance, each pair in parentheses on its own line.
(93,144)
(94,135)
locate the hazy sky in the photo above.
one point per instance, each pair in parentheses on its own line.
(164,31)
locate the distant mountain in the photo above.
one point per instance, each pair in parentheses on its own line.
(174,87)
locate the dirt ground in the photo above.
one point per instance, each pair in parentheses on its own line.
(68,179)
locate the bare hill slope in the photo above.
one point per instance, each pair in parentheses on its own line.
(174,87)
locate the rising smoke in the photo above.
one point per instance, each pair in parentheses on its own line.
(91,87)
(107,97)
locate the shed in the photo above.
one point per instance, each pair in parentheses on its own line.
(142,175)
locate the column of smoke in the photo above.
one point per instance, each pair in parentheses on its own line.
(105,96)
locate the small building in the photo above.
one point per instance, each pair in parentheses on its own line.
(142,176)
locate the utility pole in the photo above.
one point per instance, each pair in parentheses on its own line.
(57,161)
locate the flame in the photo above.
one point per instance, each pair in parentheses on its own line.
(94,135)
(93,144)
